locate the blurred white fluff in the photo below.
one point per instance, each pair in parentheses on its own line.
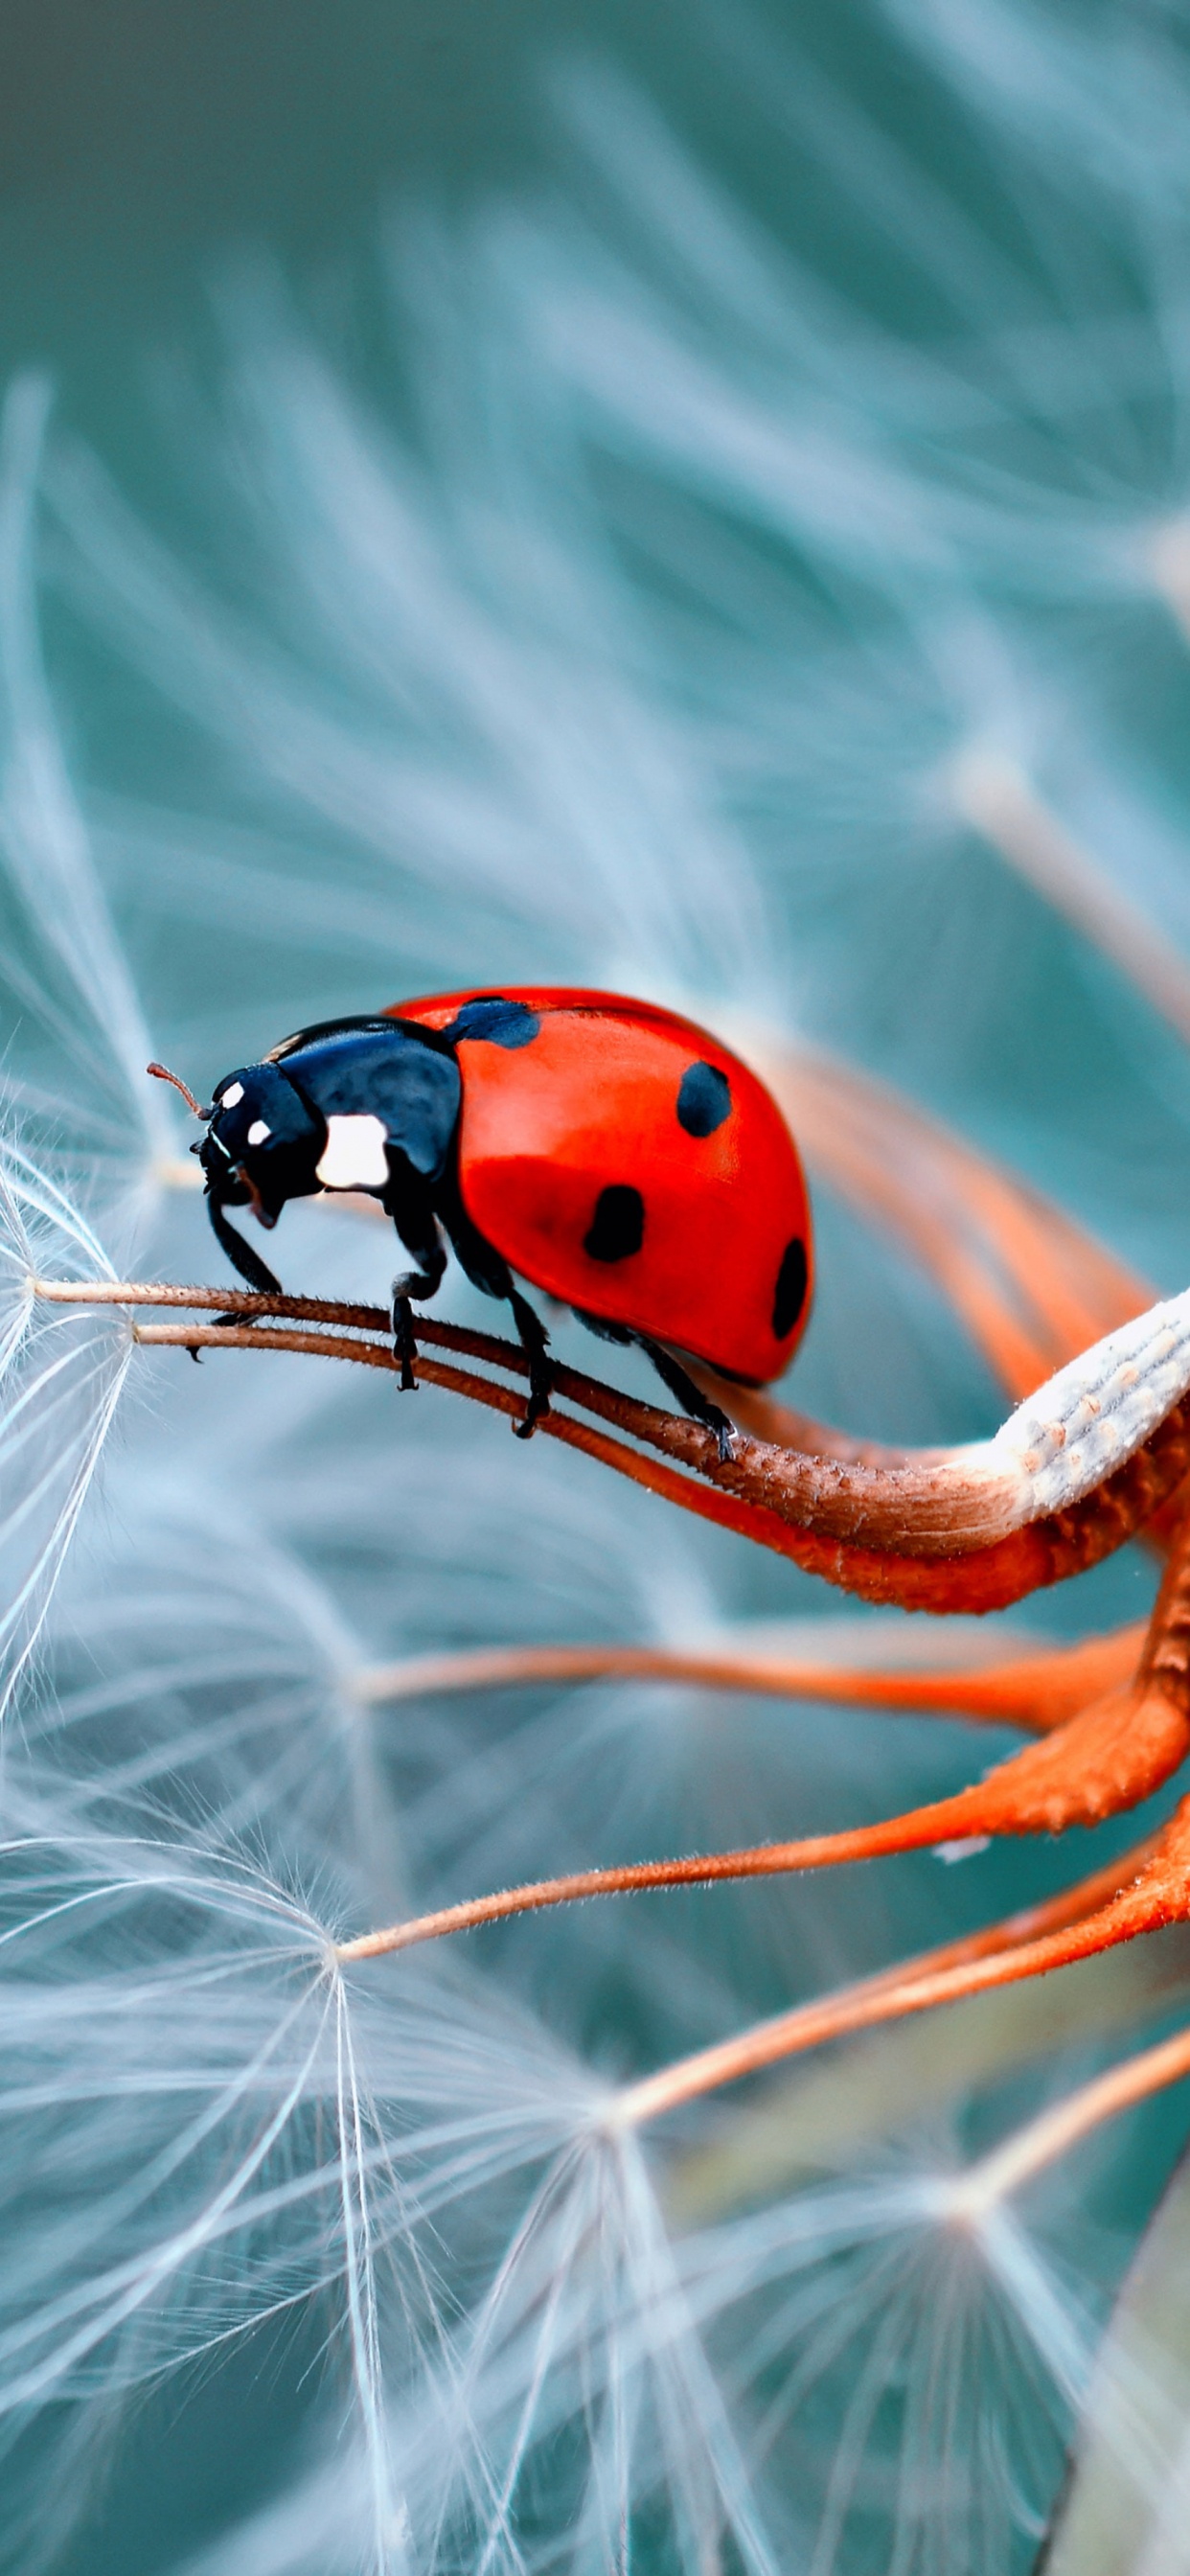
(212,1655)
(494,749)
(667,2375)
(205,2134)
(1111,96)
(1028,427)
(61,1372)
(863,583)
(81,1040)
(994,511)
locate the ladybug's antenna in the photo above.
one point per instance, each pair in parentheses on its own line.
(164,1075)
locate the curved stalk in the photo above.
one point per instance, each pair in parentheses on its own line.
(1037,1692)
(975,1530)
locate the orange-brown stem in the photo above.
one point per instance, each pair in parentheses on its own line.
(1037,1692)
(1006,1803)
(755,1410)
(902,1506)
(1028,1924)
(990,1578)
(1040,2142)
(1101,1761)
(888,1537)
(1158,1895)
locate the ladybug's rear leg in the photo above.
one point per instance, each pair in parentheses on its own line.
(535,1345)
(691,1397)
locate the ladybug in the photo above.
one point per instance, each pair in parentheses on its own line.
(604,1150)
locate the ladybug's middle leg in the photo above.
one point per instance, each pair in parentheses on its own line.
(535,1345)
(487,1269)
(409,1205)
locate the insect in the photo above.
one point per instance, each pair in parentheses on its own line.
(606,1151)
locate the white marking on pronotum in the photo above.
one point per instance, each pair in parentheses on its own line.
(231,1098)
(259,1133)
(354,1157)
(1095,1414)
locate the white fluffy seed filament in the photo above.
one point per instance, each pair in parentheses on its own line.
(999,801)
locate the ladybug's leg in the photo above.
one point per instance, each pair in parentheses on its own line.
(535,1344)
(240,1254)
(691,1397)
(409,1205)
(487,1269)
(404,1338)
(414,1283)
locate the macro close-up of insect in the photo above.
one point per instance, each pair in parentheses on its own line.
(629,1166)
(613,2001)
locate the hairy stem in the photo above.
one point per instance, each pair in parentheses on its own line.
(973,1531)
(1038,1691)
(1159,1894)
(1112,1753)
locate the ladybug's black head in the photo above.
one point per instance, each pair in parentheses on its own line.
(349,1105)
(263,1143)
(262,1146)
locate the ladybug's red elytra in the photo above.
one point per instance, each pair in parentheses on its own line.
(606,1151)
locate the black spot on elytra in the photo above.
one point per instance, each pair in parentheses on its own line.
(500,1022)
(790,1296)
(618,1225)
(704,1099)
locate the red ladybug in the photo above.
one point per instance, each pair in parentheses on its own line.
(609,1152)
